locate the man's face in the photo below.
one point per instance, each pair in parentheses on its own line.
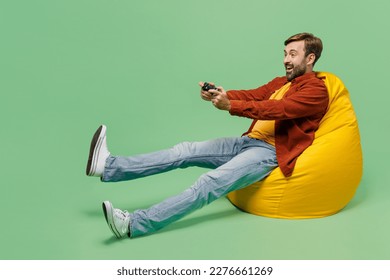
(295,60)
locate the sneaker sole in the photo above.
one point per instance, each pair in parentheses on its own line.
(108,214)
(94,149)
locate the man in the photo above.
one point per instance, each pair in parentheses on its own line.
(286,112)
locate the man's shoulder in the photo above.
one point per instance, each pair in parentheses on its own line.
(309,78)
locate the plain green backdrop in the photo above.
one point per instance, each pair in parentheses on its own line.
(68,66)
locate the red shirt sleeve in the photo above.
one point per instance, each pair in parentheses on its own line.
(257,94)
(308,98)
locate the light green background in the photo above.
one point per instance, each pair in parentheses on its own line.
(67,66)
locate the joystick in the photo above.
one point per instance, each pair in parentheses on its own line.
(207,86)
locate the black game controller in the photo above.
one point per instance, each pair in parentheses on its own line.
(207,86)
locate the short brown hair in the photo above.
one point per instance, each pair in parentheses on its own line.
(313,44)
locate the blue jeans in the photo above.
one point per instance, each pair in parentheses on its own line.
(235,163)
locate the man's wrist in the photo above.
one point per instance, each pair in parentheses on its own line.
(234,107)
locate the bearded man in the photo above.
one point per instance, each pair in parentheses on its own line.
(286,112)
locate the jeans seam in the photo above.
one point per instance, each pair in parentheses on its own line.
(174,161)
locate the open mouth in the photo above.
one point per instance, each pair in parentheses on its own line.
(289,68)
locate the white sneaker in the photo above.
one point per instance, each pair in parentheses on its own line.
(98,153)
(118,221)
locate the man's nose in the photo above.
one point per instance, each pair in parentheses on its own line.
(286,59)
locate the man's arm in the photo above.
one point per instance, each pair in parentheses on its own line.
(308,100)
(261,93)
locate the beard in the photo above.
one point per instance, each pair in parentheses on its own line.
(295,70)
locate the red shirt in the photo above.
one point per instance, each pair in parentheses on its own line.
(297,115)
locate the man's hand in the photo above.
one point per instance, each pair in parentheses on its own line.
(205,95)
(217,96)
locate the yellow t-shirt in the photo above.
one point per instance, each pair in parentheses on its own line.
(265,129)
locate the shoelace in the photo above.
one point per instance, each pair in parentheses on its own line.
(121,214)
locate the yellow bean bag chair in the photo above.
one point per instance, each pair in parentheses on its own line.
(326,174)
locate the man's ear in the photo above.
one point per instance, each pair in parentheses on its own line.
(311,58)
